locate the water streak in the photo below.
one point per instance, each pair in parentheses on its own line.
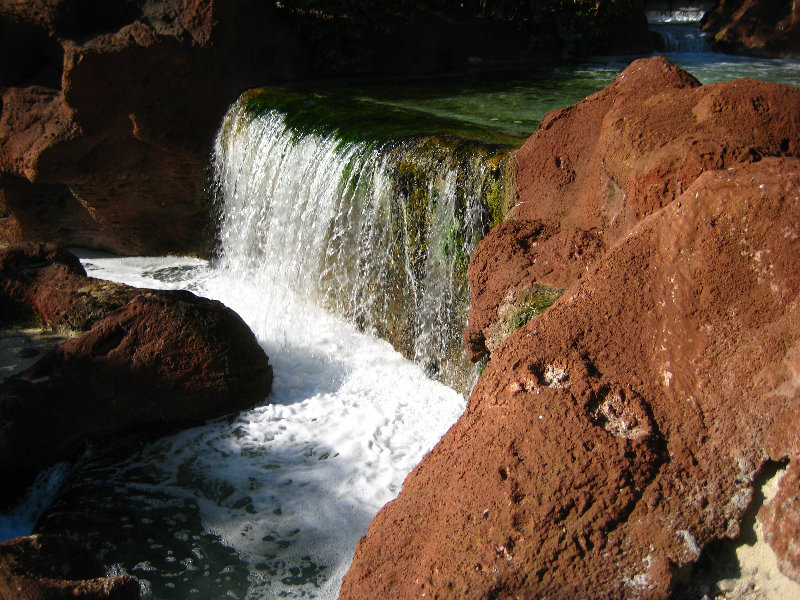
(678,31)
(377,232)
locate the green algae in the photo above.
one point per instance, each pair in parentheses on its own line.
(353,119)
(533,302)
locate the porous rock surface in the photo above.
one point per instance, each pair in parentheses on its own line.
(769,28)
(612,438)
(139,360)
(593,170)
(51,567)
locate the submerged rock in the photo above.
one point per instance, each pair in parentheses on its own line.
(137,360)
(51,567)
(612,439)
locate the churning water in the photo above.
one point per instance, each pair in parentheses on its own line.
(269,503)
(333,239)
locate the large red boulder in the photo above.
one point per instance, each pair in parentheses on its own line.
(769,28)
(593,170)
(613,438)
(51,567)
(139,360)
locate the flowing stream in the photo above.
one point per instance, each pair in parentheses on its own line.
(347,218)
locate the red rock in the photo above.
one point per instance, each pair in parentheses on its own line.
(597,168)
(51,567)
(611,439)
(142,360)
(756,27)
(633,147)
(131,171)
(45,283)
(512,257)
(114,104)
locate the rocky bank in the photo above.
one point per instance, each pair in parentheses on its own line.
(135,362)
(49,567)
(756,27)
(625,433)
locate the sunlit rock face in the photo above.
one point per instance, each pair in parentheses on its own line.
(612,438)
(595,169)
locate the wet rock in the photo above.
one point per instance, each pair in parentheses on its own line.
(756,27)
(137,361)
(593,170)
(612,438)
(47,285)
(51,567)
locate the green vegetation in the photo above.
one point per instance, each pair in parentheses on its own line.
(351,119)
(498,190)
(453,249)
(532,302)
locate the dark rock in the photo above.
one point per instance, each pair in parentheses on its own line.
(768,28)
(47,284)
(51,567)
(141,361)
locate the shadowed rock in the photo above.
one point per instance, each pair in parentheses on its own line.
(137,361)
(769,28)
(51,567)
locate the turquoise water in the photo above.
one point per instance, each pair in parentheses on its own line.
(518,103)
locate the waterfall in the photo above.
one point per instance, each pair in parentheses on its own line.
(678,30)
(378,231)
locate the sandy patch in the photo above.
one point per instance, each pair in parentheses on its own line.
(21,347)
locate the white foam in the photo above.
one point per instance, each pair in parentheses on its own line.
(20,519)
(303,474)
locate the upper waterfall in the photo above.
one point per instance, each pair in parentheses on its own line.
(678,30)
(374,228)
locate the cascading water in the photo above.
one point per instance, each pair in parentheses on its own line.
(364,218)
(325,239)
(378,232)
(678,31)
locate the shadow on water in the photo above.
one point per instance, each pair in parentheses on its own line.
(217,511)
